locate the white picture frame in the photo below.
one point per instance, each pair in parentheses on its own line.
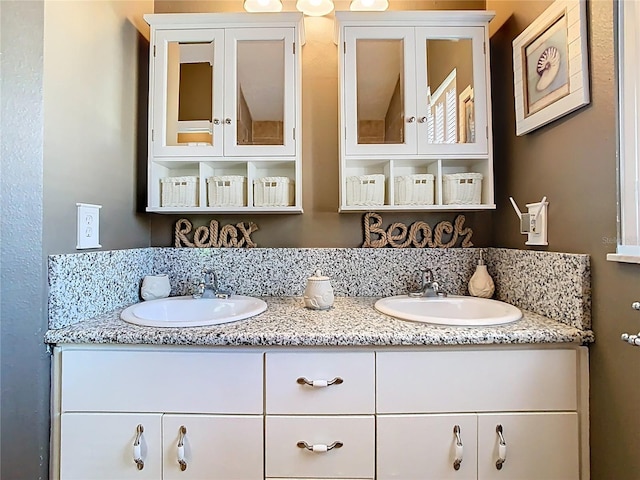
(550,66)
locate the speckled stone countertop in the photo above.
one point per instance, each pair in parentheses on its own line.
(352,321)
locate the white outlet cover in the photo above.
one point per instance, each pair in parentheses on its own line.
(539,236)
(88,226)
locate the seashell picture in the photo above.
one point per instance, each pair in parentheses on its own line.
(547,67)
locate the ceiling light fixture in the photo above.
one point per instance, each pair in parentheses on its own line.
(376,5)
(315,8)
(263,5)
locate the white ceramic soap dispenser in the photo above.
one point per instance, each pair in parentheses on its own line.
(319,294)
(481,283)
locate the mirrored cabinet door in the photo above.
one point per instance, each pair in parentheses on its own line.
(451,90)
(188,105)
(379,97)
(260,94)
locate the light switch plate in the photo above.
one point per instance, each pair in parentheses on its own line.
(88,226)
(537,234)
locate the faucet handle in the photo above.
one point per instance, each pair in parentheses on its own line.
(198,289)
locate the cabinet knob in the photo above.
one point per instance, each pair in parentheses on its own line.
(181,458)
(502,448)
(458,455)
(216,121)
(227,121)
(319,383)
(411,119)
(422,120)
(319,448)
(635,305)
(137,451)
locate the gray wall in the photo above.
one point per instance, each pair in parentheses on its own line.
(72,73)
(573,162)
(25,362)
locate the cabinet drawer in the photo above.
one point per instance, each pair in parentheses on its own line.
(188,382)
(354,459)
(355,394)
(476,381)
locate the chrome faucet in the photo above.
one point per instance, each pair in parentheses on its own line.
(208,286)
(430,288)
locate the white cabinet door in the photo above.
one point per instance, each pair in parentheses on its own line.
(537,446)
(213,447)
(379,105)
(425,447)
(187,95)
(260,92)
(100,446)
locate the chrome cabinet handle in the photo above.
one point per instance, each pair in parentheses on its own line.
(635,305)
(502,448)
(137,451)
(458,455)
(227,121)
(216,121)
(181,459)
(411,119)
(320,448)
(319,383)
(422,120)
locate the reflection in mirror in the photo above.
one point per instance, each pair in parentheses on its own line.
(189,93)
(450,113)
(260,92)
(380,90)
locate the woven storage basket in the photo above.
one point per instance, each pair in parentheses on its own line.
(462,188)
(414,189)
(227,191)
(365,190)
(273,192)
(179,191)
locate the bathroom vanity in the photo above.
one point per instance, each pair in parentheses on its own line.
(347,393)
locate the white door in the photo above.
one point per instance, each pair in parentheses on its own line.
(105,446)
(426,447)
(379,94)
(187,94)
(535,446)
(213,447)
(260,92)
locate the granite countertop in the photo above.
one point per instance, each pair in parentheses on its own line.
(352,321)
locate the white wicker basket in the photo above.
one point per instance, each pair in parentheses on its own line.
(414,189)
(365,190)
(462,188)
(227,191)
(273,192)
(179,191)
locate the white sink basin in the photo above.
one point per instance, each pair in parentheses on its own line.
(452,310)
(192,312)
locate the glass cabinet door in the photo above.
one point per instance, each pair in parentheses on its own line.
(259,92)
(451,79)
(188,100)
(379,105)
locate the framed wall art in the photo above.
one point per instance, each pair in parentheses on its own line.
(550,66)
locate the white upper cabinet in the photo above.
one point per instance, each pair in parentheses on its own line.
(225,112)
(415,128)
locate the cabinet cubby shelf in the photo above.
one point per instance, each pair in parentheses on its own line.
(415,208)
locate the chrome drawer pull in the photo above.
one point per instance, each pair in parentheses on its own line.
(320,448)
(458,458)
(635,305)
(319,383)
(181,459)
(137,451)
(502,448)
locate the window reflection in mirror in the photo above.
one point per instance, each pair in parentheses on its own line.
(380,90)
(260,92)
(189,93)
(449,94)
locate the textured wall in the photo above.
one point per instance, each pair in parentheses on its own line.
(321,225)
(24,359)
(95,91)
(573,162)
